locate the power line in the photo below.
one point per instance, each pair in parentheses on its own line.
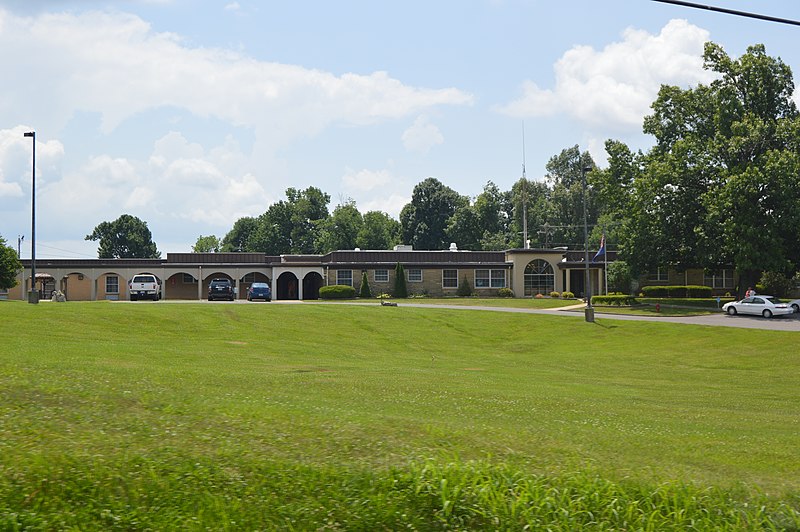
(731,12)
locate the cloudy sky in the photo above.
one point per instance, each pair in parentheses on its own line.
(193,113)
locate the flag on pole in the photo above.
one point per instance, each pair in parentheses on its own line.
(602,250)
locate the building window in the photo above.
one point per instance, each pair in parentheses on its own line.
(661,275)
(719,279)
(414,275)
(381,276)
(344,277)
(449,278)
(249,278)
(188,279)
(112,284)
(490,278)
(539,278)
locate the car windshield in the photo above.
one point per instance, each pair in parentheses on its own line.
(259,286)
(142,279)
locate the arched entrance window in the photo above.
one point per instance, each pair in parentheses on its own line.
(539,278)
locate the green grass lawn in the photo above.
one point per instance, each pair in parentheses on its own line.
(270,416)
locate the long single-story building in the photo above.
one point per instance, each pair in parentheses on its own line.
(527,272)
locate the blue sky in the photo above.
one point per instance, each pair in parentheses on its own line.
(192,114)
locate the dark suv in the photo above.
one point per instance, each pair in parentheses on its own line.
(220,289)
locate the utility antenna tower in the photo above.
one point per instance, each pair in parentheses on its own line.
(524,195)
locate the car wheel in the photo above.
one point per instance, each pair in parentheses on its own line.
(796,308)
(732,311)
(133,298)
(767,313)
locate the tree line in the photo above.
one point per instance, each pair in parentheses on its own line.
(719,189)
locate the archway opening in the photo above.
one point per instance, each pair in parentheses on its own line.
(287,286)
(312,282)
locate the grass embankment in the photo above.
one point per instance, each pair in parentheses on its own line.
(195,416)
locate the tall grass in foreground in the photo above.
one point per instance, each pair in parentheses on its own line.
(303,417)
(210,495)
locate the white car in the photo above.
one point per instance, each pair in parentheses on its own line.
(760,305)
(795,304)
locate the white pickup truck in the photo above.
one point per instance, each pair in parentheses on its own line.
(144,286)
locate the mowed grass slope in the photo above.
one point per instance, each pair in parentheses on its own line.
(293,416)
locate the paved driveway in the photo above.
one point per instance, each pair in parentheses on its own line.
(784,323)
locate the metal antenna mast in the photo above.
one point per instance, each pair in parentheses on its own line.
(524,194)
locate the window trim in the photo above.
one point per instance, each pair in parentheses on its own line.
(408,275)
(109,283)
(339,277)
(446,281)
(491,280)
(375,276)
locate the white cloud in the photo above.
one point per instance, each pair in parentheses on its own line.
(117,65)
(16,160)
(391,204)
(422,136)
(364,180)
(233,6)
(614,87)
(165,188)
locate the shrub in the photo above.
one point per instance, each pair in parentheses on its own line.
(775,283)
(464,288)
(400,289)
(621,300)
(554,294)
(678,291)
(337,291)
(364,292)
(505,292)
(619,276)
(567,295)
(655,291)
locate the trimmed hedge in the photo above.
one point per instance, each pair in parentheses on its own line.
(676,291)
(617,300)
(337,291)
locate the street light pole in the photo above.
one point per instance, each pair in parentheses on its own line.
(33,295)
(589,310)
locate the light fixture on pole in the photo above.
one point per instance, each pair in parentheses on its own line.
(33,295)
(587,282)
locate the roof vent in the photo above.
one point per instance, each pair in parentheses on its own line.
(453,246)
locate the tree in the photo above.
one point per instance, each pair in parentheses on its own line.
(379,231)
(529,200)
(464,288)
(364,292)
(565,173)
(207,244)
(238,237)
(340,230)
(127,237)
(424,220)
(720,186)
(10,266)
(309,208)
(463,228)
(400,289)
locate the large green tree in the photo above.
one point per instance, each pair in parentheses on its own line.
(127,237)
(425,219)
(10,266)
(340,230)
(721,184)
(379,231)
(207,244)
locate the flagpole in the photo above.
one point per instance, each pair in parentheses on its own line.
(605,266)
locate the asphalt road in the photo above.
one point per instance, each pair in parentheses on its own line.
(783,323)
